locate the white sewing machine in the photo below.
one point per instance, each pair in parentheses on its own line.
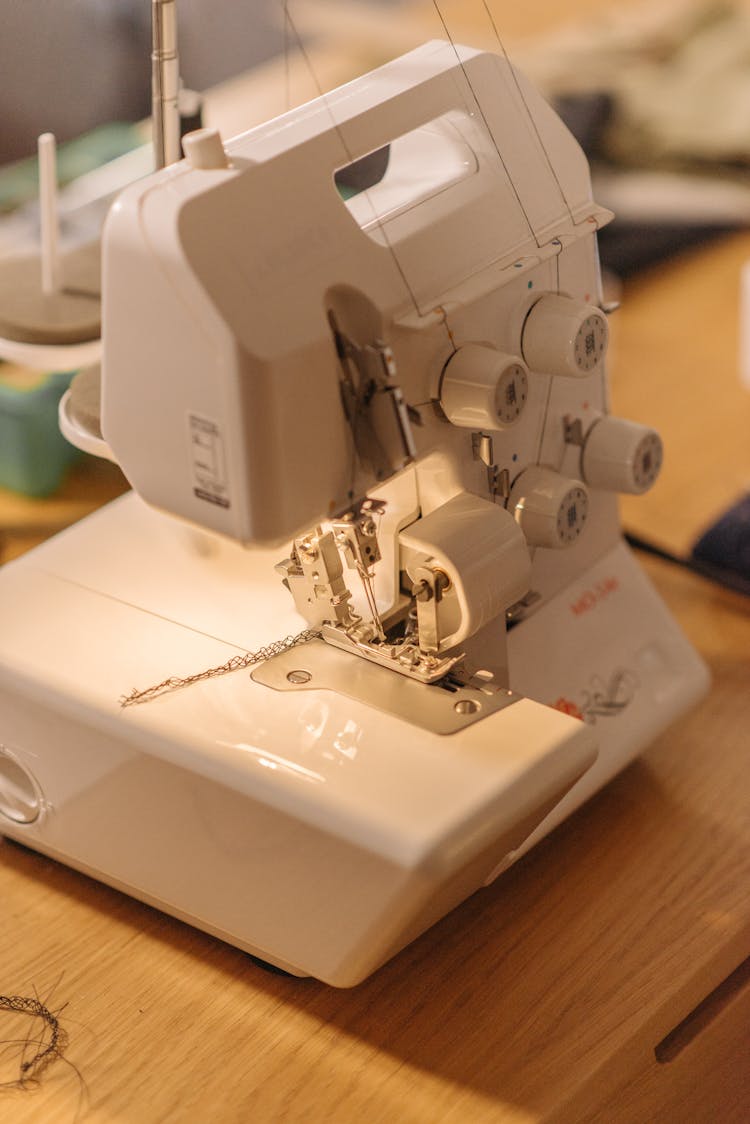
(398,403)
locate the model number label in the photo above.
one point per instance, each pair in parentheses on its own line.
(594,596)
(208,461)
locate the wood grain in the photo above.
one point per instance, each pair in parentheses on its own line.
(676,364)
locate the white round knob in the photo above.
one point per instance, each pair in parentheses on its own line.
(482,388)
(20,797)
(550,509)
(203,148)
(564,337)
(621,456)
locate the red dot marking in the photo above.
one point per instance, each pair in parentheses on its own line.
(587,298)
(585,405)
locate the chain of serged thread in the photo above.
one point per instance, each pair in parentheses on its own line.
(32,1068)
(236,663)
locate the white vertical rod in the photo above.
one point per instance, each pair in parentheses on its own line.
(47,149)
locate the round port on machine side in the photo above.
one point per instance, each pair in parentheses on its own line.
(20,797)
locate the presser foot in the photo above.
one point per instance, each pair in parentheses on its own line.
(442,707)
(403,656)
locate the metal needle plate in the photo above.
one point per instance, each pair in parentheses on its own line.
(434,707)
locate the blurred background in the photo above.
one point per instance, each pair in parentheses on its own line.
(657,93)
(69,65)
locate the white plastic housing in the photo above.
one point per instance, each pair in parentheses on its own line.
(313,830)
(483,388)
(621,456)
(221,378)
(310,829)
(562,336)
(483,552)
(550,509)
(317,830)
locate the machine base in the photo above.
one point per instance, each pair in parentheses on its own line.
(315,831)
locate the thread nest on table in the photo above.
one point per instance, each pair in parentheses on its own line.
(49,1044)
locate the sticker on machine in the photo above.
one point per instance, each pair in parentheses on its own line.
(208,459)
(603,698)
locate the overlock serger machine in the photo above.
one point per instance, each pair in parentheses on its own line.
(354,368)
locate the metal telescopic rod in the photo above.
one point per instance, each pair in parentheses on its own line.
(165,83)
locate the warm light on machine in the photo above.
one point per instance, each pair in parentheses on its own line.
(483,388)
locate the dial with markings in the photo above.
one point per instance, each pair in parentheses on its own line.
(621,456)
(483,388)
(562,336)
(590,342)
(550,509)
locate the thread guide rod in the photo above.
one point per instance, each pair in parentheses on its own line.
(48,217)
(165,83)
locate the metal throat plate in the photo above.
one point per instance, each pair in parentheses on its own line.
(440,708)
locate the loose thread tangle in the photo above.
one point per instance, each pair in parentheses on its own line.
(31,1069)
(236,663)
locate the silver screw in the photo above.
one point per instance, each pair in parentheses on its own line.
(466,706)
(298,677)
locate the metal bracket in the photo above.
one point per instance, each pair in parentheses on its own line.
(498,480)
(430,583)
(573,431)
(519,609)
(444,707)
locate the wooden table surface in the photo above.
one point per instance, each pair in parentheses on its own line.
(572,989)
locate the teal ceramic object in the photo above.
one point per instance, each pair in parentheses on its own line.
(34,455)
